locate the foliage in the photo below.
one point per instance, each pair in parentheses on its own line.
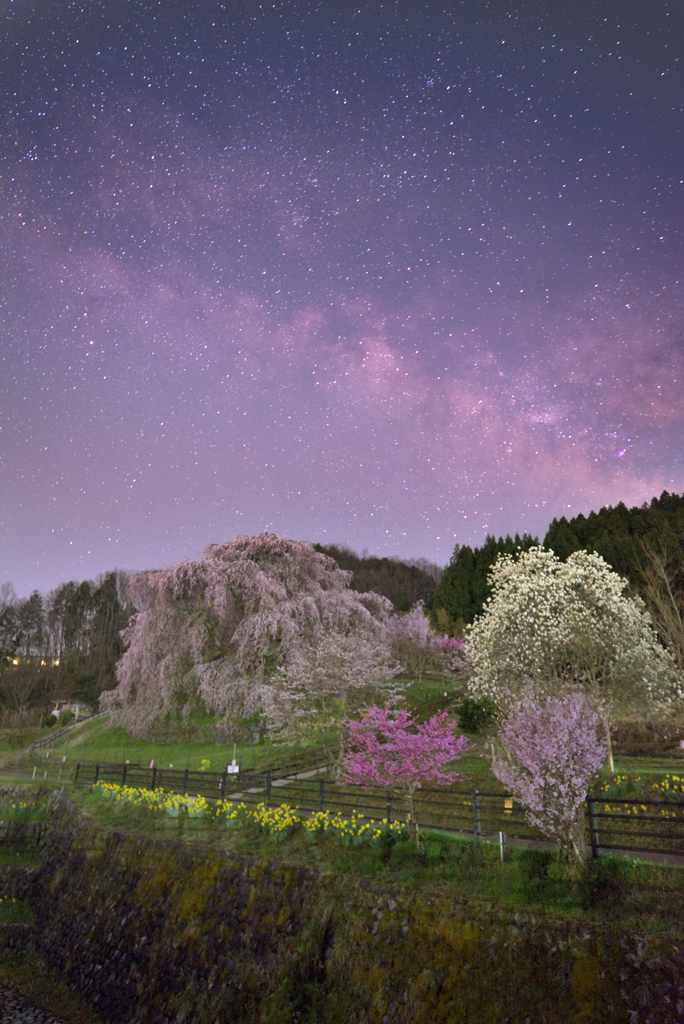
(260,625)
(404,583)
(10,628)
(552,750)
(412,640)
(569,622)
(18,809)
(618,534)
(464,586)
(622,785)
(475,715)
(65,642)
(419,649)
(604,882)
(670,787)
(278,822)
(662,586)
(388,748)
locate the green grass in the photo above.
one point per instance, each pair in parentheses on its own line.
(101,742)
(633,894)
(13,740)
(13,911)
(648,766)
(17,856)
(22,810)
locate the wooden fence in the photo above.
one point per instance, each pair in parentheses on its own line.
(634,825)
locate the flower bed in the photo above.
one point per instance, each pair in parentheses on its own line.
(278,822)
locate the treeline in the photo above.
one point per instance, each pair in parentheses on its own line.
(625,536)
(403,583)
(463,587)
(634,541)
(64,644)
(67,643)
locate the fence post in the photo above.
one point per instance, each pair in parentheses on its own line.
(476,816)
(389,806)
(124,771)
(97,772)
(321,794)
(78,768)
(185,781)
(268,789)
(593,826)
(154,778)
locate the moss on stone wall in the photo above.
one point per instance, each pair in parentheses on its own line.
(156,932)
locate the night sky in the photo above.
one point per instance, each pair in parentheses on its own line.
(394,275)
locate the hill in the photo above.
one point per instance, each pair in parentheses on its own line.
(620,534)
(403,583)
(463,587)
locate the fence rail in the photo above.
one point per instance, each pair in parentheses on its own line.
(611,824)
(56,734)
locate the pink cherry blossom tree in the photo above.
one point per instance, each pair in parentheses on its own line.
(419,649)
(454,644)
(552,748)
(412,636)
(388,748)
(258,626)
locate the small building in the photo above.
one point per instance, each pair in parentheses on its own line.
(78,708)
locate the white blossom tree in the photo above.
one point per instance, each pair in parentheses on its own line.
(412,639)
(561,623)
(258,626)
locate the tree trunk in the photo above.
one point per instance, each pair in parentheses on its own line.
(414,831)
(609,743)
(334,763)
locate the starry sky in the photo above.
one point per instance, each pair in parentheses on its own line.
(393,275)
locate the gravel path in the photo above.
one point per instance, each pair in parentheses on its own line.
(15,1010)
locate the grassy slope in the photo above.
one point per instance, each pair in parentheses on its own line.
(636,895)
(13,740)
(101,742)
(104,743)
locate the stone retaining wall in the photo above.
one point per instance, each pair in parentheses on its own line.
(159,932)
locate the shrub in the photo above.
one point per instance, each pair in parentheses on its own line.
(534,863)
(604,881)
(475,715)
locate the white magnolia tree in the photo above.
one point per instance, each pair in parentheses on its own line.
(560,623)
(259,626)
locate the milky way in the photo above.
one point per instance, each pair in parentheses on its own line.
(394,276)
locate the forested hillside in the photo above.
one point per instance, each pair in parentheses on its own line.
(626,538)
(463,587)
(62,644)
(403,583)
(621,535)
